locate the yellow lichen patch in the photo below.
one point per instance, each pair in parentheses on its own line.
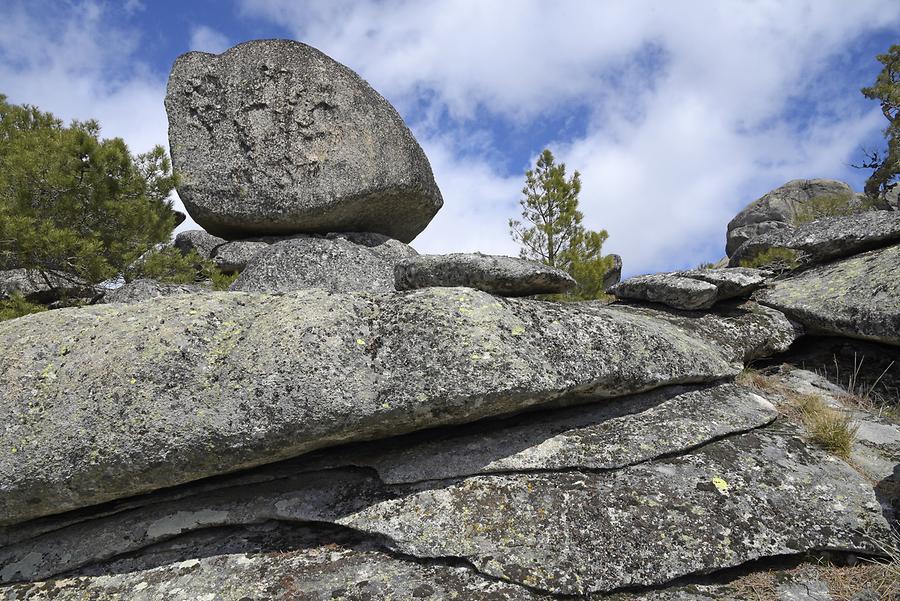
(721,485)
(517,330)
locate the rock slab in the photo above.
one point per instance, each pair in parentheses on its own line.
(273,137)
(500,275)
(828,238)
(139,397)
(857,297)
(691,290)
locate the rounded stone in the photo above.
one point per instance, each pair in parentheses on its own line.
(273,137)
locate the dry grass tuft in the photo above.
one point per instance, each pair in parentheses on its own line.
(829,428)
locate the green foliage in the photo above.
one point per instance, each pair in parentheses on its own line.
(776,258)
(18,306)
(221,280)
(886,90)
(551,231)
(75,206)
(831,205)
(169,265)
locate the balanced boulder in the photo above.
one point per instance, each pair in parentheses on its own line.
(273,137)
(503,276)
(348,262)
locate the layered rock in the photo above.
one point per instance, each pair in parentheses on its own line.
(828,238)
(191,386)
(570,502)
(273,137)
(857,297)
(39,288)
(351,262)
(692,290)
(778,209)
(503,276)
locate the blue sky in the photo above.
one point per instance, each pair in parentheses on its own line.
(677,114)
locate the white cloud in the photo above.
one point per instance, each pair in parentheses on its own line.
(687,103)
(207,39)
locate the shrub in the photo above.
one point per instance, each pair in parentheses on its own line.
(170,266)
(18,306)
(776,258)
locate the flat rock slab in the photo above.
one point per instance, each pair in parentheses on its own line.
(140,397)
(693,289)
(503,276)
(760,494)
(857,297)
(351,262)
(830,238)
(312,564)
(273,137)
(745,330)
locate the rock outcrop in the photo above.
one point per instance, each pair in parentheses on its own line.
(503,276)
(857,297)
(614,275)
(779,209)
(694,289)
(273,137)
(350,262)
(191,386)
(828,238)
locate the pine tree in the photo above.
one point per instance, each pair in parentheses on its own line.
(75,208)
(551,229)
(886,90)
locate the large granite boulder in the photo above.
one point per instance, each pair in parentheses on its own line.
(504,276)
(273,137)
(140,397)
(828,238)
(857,297)
(693,289)
(779,209)
(349,262)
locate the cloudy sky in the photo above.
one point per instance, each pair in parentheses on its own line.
(677,114)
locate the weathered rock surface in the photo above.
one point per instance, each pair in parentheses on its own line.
(30,284)
(351,262)
(857,297)
(574,530)
(274,137)
(829,238)
(781,205)
(199,240)
(745,331)
(740,235)
(239,564)
(614,275)
(503,276)
(234,256)
(141,290)
(195,385)
(692,289)
(668,289)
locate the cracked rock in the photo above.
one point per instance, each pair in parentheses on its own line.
(140,397)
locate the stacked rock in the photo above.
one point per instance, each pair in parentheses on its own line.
(304,176)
